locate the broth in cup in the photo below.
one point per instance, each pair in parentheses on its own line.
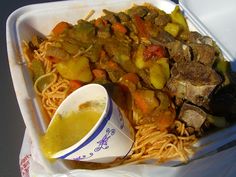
(66,130)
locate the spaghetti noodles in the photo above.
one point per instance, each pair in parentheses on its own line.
(151,143)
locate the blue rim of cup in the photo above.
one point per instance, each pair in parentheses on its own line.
(97,131)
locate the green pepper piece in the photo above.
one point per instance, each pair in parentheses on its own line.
(37,68)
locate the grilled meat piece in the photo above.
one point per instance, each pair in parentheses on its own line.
(110,16)
(195,37)
(178,51)
(163,37)
(141,11)
(192,115)
(193,81)
(162,20)
(203,53)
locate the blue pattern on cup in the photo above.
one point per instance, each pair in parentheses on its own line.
(96,133)
(103,142)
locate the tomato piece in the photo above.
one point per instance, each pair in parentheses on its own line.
(140,25)
(154,51)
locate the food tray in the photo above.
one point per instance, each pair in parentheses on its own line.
(39,19)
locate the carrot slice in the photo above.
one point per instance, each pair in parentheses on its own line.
(140,102)
(74,84)
(145,100)
(119,27)
(132,77)
(112,65)
(100,22)
(60,27)
(99,73)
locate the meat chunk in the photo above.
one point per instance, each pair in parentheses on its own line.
(162,20)
(141,11)
(193,81)
(110,16)
(192,115)
(123,17)
(203,53)
(162,38)
(178,51)
(195,37)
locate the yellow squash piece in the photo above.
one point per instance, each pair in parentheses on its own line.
(172,28)
(177,17)
(159,73)
(165,66)
(139,61)
(75,69)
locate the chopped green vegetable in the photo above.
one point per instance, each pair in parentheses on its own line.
(57,52)
(44,81)
(37,68)
(70,47)
(84,31)
(94,52)
(164,100)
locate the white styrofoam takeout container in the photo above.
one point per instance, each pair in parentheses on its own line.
(39,19)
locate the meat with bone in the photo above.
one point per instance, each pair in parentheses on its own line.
(192,115)
(193,81)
